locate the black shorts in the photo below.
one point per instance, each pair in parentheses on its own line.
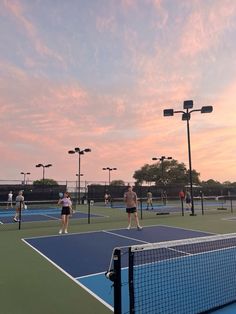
(188,200)
(131,210)
(65,211)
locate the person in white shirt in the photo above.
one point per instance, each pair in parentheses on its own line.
(66,211)
(9,200)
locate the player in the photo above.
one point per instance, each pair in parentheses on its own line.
(188,201)
(19,205)
(9,200)
(164,197)
(106,199)
(65,212)
(149,200)
(131,202)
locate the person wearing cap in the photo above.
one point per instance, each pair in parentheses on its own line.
(131,202)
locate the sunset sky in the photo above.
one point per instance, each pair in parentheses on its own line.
(98,74)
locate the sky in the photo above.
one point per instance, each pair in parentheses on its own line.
(98,74)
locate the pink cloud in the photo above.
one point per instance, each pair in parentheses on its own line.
(205,26)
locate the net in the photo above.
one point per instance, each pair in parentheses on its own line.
(182,276)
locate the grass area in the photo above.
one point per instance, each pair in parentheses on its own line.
(30,284)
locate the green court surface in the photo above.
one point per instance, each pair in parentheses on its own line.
(30,284)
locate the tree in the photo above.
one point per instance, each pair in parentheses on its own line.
(45,182)
(168,171)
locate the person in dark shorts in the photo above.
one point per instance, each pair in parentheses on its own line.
(65,212)
(131,202)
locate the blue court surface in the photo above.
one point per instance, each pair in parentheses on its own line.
(6,216)
(85,257)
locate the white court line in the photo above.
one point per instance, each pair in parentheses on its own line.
(44,215)
(93,231)
(125,237)
(71,277)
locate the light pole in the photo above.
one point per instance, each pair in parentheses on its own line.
(109,170)
(25,174)
(186,116)
(80,152)
(162,158)
(43,166)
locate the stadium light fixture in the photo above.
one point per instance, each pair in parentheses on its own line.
(43,166)
(186,116)
(80,152)
(25,174)
(162,158)
(109,171)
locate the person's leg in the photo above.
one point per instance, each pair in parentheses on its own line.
(66,223)
(137,221)
(62,223)
(16,215)
(129,221)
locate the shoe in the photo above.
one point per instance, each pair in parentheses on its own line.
(15,219)
(66,231)
(129,227)
(60,231)
(139,228)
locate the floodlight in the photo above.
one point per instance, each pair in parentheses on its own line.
(188,104)
(186,116)
(206,109)
(71,152)
(87,150)
(168,112)
(77,149)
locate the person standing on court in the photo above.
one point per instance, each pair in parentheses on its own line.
(19,205)
(65,212)
(149,200)
(9,199)
(188,200)
(131,202)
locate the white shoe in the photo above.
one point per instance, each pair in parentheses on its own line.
(129,227)
(66,231)
(139,227)
(60,231)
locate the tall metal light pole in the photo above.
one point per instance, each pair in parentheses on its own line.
(162,158)
(186,116)
(80,152)
(25,174)
(109,170)
(43,166)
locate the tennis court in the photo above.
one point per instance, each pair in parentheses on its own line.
(85,257)
(41,213)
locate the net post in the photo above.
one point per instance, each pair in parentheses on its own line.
(21,204)
(231,203)
(89,211)
(141,208)
(117,281)
(131,282)
(182,206)
(202,206)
